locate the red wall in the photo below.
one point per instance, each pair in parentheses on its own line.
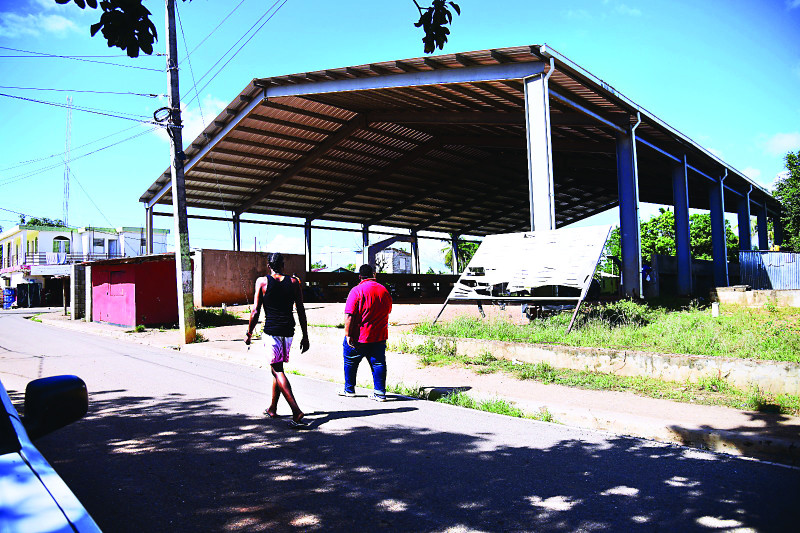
(135,293)
(156,293)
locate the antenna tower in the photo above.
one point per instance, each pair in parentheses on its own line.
(66,161)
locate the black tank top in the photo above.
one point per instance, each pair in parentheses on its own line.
(278,299)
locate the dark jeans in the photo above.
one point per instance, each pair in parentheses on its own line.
(375,352)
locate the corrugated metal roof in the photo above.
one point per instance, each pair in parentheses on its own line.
(440,156)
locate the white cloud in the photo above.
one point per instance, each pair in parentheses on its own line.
(286,245)
(576,14)
(791,4)
(623,9)
(192,120)
(13,25)
(780,143)
(752,173)
(716,152)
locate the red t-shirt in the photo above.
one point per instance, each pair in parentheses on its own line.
(370,304)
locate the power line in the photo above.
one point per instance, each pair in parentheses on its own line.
(188,54)
(197,92)
(20,177)
(136,118)
(81,91)
(72,172)
(75,58)
(61,154)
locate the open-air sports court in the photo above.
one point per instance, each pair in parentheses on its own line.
(466,144)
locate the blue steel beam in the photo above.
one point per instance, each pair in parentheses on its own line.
(628,187)
(763,234)
(683,252)
(719,251)
(743,214)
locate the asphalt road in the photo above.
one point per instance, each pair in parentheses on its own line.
(179,443)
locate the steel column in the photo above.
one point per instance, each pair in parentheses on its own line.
(415,252)
(540,153)
(777,229)
(719,249)
(763,233)
(237,233)
(743,213)
(364,244)
(148,228)
(307,231)
(683,251)
(628,190)
(454,252)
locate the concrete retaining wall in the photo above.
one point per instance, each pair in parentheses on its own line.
(771,376)
(229,277)
(731,296)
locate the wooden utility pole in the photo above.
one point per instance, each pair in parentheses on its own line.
(183,264)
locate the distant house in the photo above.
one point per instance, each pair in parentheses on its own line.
(39,254)
(393,261)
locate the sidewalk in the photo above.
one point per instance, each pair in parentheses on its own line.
(767,436)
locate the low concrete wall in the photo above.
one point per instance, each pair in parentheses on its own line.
(771,376)
(731,296)
(229,277)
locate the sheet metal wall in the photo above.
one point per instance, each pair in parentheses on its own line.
(770,270)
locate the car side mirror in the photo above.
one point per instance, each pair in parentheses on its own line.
(52,403)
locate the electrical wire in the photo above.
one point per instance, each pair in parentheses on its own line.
(197,92)
(61,154)
(75,58)
(72,173)
(188,53)
(82,91)
(136,118)
(30,174)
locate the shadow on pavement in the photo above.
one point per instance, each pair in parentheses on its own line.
(169,463)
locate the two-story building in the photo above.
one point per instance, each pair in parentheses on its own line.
(43,254)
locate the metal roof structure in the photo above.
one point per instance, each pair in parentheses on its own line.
(437,144)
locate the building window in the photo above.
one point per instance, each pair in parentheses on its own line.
(99,243)
(61,245)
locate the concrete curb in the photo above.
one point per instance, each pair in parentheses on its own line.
(762,446)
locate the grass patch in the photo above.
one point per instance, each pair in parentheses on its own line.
(340,325)
(495,405)
(769,333)
(214,318)
(711,390)
(199,337)
(138,329)
(35,318)
(405,390)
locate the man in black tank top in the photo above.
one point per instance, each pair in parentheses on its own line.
(277,294)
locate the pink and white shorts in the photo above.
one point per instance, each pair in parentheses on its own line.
(279,348)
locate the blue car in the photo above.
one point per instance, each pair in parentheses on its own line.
(33,498)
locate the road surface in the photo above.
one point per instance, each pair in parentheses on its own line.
(179,443)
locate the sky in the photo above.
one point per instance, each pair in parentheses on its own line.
(726,73)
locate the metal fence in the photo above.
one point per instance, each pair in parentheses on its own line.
(770,270)
(53,259)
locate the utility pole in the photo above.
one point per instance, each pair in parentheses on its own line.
(183,264)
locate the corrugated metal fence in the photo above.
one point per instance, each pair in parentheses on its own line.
(770,270)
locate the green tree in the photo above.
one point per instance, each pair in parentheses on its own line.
(318,265)
(126,24)
(658,238)
(466,250)
(351,267)
(787,191)
(44,221)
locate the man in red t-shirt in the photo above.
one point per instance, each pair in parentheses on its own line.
(366,328)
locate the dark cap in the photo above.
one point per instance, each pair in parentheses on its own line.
(365,271)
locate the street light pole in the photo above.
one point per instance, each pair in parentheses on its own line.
(183,264)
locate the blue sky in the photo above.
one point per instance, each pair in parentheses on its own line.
(724,72)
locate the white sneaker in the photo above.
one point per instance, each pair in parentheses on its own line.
(345,393)
(378,398)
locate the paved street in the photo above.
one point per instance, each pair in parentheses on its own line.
(177,443)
